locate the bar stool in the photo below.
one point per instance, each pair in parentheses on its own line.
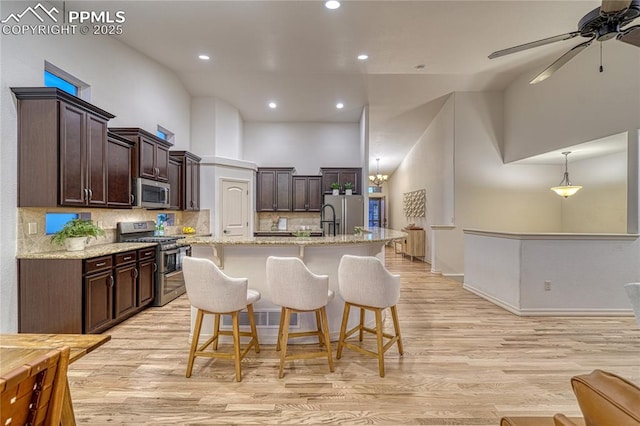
(365,283)
(214,293)
(294,287)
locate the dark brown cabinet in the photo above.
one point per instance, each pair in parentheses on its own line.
(62,149)
(119,171)
(306,193)
(150,154)
(342,176)
(189,185)
(84,296)
(175,180)
(274,189)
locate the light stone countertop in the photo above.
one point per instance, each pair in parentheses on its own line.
(370,235)
(87,253)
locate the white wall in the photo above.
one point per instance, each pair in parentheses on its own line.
(137,90)
(305,146)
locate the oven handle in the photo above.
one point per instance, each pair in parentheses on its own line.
(172,273)
(172,251)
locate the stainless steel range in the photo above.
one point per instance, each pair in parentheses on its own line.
(169,255)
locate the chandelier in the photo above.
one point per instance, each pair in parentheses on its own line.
(378,179)
(565,188)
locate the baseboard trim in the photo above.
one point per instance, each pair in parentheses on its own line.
(455,277)
(504,305)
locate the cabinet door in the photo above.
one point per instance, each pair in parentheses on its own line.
(98,302)
(147,158)
(118,173)
(195,185)
(175,180)
(350,176)
(125,289)
(299,193)
(96,144)
(146,282)
(190,184)
(329,177)
(266,201)
(283,191)
(73,165)
(314,193)
(162,163)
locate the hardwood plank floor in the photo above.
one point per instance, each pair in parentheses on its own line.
(466,362)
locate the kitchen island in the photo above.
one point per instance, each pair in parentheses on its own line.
(246,257)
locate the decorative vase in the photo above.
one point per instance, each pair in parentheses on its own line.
(274,226)
(336,192)
(348,192)
(75,243)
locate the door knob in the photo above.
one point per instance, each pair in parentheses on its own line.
(225,231)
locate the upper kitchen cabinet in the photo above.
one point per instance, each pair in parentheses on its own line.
(274,189)
(62,149)
(307,193)
(175,180)
(150,153)
(342,176)
(119,171)
(189,180)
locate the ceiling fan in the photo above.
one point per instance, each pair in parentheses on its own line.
(602,23)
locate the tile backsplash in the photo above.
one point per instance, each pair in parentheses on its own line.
(106,218)
(294,220)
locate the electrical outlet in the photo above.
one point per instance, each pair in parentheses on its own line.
(33,228)
(547,285)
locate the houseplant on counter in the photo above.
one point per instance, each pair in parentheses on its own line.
(348,188)
(335,187)
(76,233)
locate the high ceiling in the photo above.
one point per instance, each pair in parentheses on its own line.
(303,56)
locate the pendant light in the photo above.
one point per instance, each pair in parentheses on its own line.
(565,188)
(378,179)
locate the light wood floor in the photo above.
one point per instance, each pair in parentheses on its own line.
(466,362)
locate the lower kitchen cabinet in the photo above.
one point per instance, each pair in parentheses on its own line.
(84,296)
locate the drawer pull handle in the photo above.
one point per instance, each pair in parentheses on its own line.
(127,257)
(101,264)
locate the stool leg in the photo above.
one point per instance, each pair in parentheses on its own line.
(236,345)
(361,334)
(380,342)
(343,328)
(216,331)
(396,326)
(254,331)
(194,342)
(285,339)
(319,328)
(327,338)
(282,314)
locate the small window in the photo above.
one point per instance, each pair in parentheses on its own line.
(56,77)
(375,189)
(52,80)
(165,134)
(53,222)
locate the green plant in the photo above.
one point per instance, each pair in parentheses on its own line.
(335,185)
(348,185)
(77,228)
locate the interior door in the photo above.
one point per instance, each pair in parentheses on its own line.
(235,208)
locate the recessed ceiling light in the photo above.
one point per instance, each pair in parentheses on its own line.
(332,4)
(363,57)
(339,105)
(273,105)
(204,57)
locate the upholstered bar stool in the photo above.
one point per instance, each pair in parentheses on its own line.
(633,291)
(212,292)
(294,287)
(365,283)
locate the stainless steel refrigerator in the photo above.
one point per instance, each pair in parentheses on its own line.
(349,210)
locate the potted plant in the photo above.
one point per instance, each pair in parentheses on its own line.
(335,186)
(348,188)
(76,233)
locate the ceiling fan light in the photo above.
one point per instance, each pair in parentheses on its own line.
(566,191)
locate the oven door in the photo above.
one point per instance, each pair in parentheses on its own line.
(171,260)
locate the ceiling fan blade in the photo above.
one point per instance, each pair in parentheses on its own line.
(533,44)
(561,61)
(631,35)
(614,6)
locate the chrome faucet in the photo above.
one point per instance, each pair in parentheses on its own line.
(332,221)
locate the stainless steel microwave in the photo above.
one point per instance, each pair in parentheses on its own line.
(151,194)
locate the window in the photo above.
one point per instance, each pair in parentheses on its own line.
(53,222)
(56,77)
(375,189)
(165,134)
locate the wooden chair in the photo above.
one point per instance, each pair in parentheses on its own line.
(214,293)
(294,287)
(33,394)
(365,283)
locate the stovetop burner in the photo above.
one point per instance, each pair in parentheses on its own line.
(143,232)
(151,239)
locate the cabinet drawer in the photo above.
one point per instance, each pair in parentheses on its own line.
(126,257)
(98,264)
(148,253)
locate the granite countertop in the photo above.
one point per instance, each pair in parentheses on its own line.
(368,236)
(89,252)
